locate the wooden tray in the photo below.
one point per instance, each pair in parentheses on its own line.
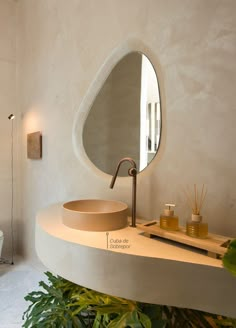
(215,245)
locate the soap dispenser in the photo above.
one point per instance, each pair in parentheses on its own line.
(168,220)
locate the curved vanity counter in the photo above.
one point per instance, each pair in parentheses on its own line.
(126,264)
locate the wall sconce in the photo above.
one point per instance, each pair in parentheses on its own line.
(34,145)
(11,117)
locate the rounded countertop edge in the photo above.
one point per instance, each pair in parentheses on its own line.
(150,279)
(49,219)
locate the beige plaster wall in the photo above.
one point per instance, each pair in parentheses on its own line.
(62,46)
(8,105)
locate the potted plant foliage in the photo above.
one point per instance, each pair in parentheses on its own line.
(229,259)
(63,304)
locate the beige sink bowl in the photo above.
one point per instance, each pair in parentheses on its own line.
(95,215)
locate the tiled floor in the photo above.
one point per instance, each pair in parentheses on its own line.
(16,281)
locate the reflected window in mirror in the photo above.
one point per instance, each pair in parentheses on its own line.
(125,118)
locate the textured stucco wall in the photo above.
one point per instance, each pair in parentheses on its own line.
(62,46)
(8,105)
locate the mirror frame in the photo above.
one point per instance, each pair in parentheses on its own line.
(130,45)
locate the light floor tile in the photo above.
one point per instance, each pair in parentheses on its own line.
(16,281)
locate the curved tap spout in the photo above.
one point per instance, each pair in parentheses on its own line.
(133,173)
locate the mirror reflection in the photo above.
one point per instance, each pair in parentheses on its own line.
(125,118)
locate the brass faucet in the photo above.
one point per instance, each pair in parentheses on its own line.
(133,173)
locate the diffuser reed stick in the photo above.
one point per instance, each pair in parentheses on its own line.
(195,202)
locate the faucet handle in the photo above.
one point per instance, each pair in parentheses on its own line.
(132,171)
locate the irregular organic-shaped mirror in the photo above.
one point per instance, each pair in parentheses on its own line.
(125,118)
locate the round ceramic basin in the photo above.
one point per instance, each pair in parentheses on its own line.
(95,215)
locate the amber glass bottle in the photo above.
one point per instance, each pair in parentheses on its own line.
(168,220)
(196,228)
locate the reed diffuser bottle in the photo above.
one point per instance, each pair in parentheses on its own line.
(195,227)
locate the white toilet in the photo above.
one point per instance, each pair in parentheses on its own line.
(1,242)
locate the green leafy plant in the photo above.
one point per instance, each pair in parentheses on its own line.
(229,259)
(63,304)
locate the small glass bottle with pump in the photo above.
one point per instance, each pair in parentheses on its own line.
(168,220)
(196,228)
